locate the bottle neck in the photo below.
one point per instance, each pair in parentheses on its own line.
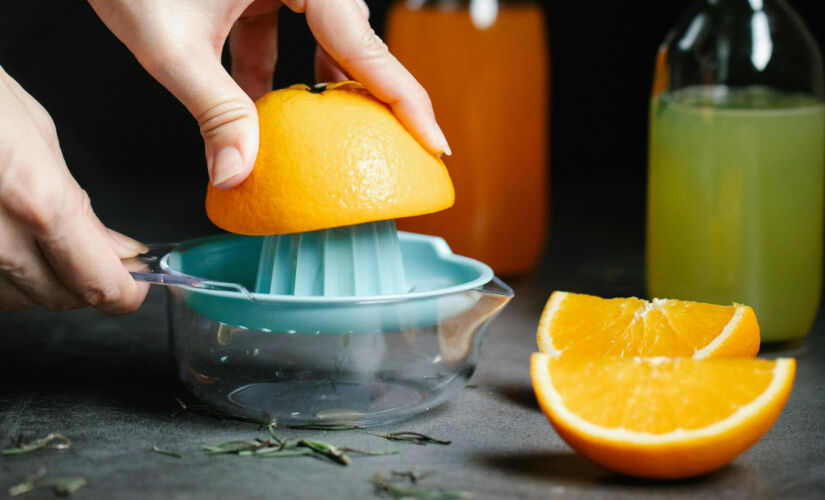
(741,44)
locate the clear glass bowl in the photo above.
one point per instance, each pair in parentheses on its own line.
(365,378)
(302,359)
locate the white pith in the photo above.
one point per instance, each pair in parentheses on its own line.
(720,339)
(546,318)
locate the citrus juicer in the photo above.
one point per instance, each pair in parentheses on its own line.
(358,324)
(330,314)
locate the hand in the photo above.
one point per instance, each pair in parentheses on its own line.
(179,42)
(54,251)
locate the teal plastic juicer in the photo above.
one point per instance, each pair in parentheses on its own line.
(358,324)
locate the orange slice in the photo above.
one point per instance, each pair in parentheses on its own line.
(589,326)
(661,417)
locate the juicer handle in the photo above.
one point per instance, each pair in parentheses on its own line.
(149,267)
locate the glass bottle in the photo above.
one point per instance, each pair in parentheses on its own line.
(736,164)
(485,65)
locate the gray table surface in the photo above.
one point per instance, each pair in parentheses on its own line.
(107,383)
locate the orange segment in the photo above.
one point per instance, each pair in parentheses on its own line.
(330,156)
(661,417)
(584,325)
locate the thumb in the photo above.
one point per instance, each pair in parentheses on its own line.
(226,115)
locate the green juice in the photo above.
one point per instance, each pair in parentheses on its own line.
(735,202)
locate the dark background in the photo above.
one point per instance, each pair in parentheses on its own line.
(138,153)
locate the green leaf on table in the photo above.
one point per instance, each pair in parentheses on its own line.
(409,436)
(404,484)
(374,453)
(328,450)
(53,440)
(60,485)
(288,452)
(169,453)
(276,447)
(232,447)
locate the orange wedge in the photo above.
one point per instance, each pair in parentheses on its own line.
(589,326)
(661,417)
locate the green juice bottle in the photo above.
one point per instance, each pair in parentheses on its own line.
(736,174)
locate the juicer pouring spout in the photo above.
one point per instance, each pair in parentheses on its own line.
(151,267)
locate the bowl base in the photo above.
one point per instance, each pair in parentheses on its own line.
(331,401)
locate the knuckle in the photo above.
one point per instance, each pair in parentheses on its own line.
(83,204)
(33,199)
(372,47)
(420,97)
(44,122)
(103,295)
(216,118)
(10,264)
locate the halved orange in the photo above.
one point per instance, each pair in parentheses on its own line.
(661,417)
(331,155)
(589,326)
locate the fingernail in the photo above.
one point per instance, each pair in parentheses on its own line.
(127,244)
(227,164)
(445,148)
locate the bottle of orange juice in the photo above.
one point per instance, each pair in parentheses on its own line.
(485,65)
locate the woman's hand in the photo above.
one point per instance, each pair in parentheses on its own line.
(54,251)
(179,42)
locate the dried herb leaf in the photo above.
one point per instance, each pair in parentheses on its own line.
(271,429)
(232,447)
(397,484)
(285,453)
(330,451)
(169,453)
(393,451)
(63,486)
(54,440)
(275,447)
(412,437)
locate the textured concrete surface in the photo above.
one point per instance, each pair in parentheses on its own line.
(107,383)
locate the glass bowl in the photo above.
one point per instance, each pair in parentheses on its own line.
(342,360)
(364,378)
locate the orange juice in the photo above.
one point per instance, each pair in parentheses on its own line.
(488,78)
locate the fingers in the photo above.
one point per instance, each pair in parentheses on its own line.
(253,45)
(26,276)
(342,29)
(81,256)
(53,251)
(226,115)
(124,246)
